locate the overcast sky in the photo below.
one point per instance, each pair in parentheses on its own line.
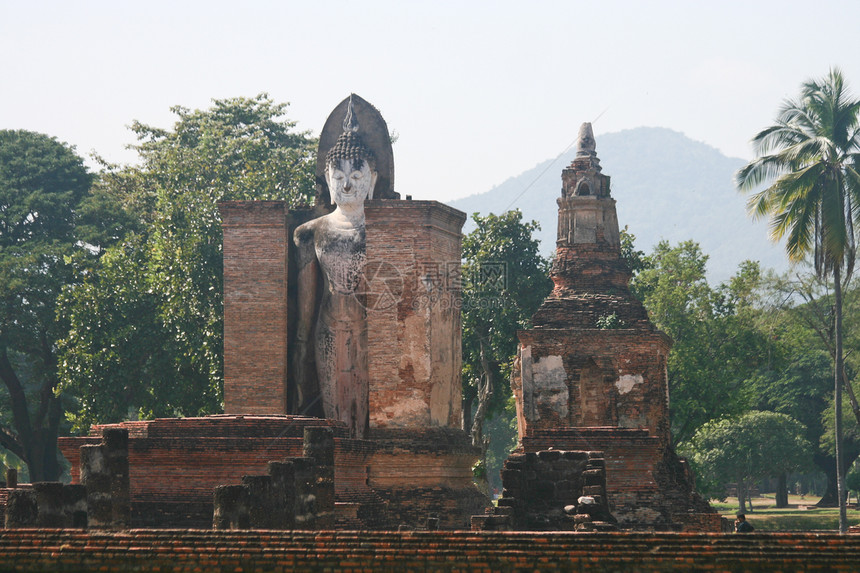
(478,91)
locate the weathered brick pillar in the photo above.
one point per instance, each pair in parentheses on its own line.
(305,471)
(75,505)
(105,475)
(231,507)
(260,501)
(413,313)
(21,509)
(283,494)
(49,504)
(319,445)
(11,478)
(96,479)
(256,244)
(115,441)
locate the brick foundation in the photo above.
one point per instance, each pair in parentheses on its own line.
(646,484)
(187,551)
(175,465)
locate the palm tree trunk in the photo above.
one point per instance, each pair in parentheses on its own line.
(840,466)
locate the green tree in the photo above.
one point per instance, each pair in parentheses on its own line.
(154,346)
(743,448)
(43,192)
(809,158)
(798,316)
(504,282)
(717,345)
(852,481)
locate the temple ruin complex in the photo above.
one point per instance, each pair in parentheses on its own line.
(342,364)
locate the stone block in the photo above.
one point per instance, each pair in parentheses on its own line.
(75,505)
(21,509)
(11,478)
(231,507)
(549,455)
(97,480)
(260,501)
(592,490)
(283,494)
(49,503)
(318,443)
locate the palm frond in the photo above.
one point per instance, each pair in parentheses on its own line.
(799,219)
(759,171)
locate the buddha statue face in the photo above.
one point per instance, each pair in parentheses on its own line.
(350,181)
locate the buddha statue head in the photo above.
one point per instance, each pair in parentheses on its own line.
(350,166)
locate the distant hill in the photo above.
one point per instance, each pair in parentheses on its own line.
(666,185)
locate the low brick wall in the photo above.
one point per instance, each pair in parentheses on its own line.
(196,550)
(397,476)
(644,482)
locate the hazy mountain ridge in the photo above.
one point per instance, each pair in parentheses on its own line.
(666,185)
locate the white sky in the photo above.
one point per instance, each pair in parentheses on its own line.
(477,90)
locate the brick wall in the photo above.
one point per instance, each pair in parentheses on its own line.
(256,239)
(188,550)
(175,464)
(591,377)
(542,492)
(646,483)
(413,313)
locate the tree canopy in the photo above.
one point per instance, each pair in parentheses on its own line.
(153,346)
(809,160)
(44,188)
(717,347)
(742,448)
(504,282)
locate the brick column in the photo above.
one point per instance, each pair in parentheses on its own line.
(256,244)
(413,313)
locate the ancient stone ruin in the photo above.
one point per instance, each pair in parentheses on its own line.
(340,316)
(297,493)
(342,386)
(591,372)
(551,490)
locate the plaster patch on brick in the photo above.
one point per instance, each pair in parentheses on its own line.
(627,382)
(550,383)
(408,411)
(415,339)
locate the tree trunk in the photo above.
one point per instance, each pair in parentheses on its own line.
(742,496)
(781,491)
(838,366)
(827,464)
(466,414)
(35,441)
(485,390)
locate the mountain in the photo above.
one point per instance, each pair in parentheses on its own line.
(666,185)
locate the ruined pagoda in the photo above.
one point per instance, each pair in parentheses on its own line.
(591,371)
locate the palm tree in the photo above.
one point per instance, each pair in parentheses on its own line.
(809,159)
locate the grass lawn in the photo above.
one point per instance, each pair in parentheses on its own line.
(800,515)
